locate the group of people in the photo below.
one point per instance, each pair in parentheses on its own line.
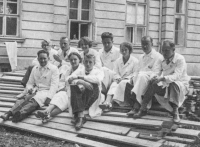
(89,82)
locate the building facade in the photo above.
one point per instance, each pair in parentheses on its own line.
(30,21)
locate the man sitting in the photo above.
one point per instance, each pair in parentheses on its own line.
(85,90)
(172,86)
(46,78)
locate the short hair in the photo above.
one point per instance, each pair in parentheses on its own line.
(169,43)
(90,56)
(76,54)
(146,38)
(48,42)
(127,45)
(42,52)
(63,38)
(86,41)
(107,35)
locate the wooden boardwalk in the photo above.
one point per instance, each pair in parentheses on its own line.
(110,129)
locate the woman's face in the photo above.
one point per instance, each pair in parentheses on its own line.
(85,47)
(124,51)
(74,60)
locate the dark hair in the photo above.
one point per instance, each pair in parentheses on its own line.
(63,38)
(127,45)
(107,35)
(86,41)
(76,54)
(147,38)
(42,52)
(90,56)
(169,43)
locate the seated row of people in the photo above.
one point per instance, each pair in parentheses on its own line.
(81,87)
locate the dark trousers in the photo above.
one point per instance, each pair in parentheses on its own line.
(21,103)
(26,76)
(155,89)
(81,101)
(128,97)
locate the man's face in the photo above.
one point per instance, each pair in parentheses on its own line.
(64,44)
(43,59)
(107,44)
(124,51)
(146,46)
(167,51)
(89,63)
(45,46)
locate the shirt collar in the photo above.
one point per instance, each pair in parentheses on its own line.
(172,59)
(110,51)
(151,54)
(45,67)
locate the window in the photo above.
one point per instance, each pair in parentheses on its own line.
(9,18)
(180,11)
(136,13)
(80,18)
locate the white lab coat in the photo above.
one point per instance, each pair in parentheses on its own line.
(124,71)
(175,71)
(149,66)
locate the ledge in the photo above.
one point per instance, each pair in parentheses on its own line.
(11,39)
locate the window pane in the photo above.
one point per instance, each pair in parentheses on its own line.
(130,14)
(11,26)
(74,30)
(141,14)
(1,25)
(85,4)
(73,14)
(73,3)
(180,6)
(85,15)
(11,8)
(84,30)
(1,7)
(179,30)
(139,35)
(129,34)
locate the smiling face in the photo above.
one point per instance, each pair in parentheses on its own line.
(64,44)
(85,47)
(74,61)
(43,59)
(107,44)
(146,45)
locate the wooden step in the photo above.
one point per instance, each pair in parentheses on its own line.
(9,92)
(6,104)
(3,99)
(11,88)
(11,85)
(18,74)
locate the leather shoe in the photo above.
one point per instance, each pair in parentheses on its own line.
(6,116)
(176,118)
(132,112)
(80,122)
(140,113)
(18,116)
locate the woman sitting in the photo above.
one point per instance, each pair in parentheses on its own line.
(60,100)
(125,66)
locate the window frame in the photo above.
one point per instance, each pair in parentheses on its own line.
(4,15)
(135,26)
(78,20)
(176,15)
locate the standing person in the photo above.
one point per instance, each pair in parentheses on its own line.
(85,43)
(46,45)
(125,67)
(172,86)
(86,90)
(60,100)
(149,66)
(109,53)
(46,78)
(64,52)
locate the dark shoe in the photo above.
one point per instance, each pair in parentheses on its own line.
(132,112)
(106,106)
(6,115)
(74,120)
(80,122)
(140,114)
(175,112)
(18,116)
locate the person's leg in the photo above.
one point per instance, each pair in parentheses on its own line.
(26,76)
(147,97)
(46,112)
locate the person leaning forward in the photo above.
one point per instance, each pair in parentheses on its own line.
(171,87)
(46,78)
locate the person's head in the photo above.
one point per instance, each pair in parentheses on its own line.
(126,49)
(147,43)
(89,62)
(85,43)
(43,57)
(45,44)
(107,40)
(64,43)
(74,59)
(168,49)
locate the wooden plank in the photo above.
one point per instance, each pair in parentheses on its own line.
(12,88)
(6,104)
(69,137)
(10,82)
(178,139)
(4,109)
(133,134)
(9,92)
(14,74)
(11,78)
(187,132)
(8,95)
(2,99)
(174,144)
